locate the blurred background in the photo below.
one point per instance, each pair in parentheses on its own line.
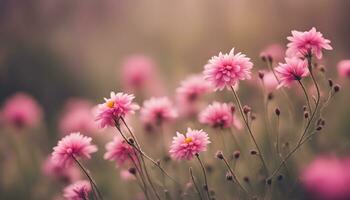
(58,49)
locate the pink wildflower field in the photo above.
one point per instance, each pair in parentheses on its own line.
(183,100)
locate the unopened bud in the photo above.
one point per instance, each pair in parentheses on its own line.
(336,88)
(253,152)
(229,176)
(280,177)
(236,154)
(246,109)
(277,111)
(269,181)
(261,74)
(330,82)
(319,128)
(219,155)
(132,170)
(306,114)
(270,96)
(131,141)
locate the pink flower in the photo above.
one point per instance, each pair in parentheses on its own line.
(294,69)
(21,110)
(137,71)
(327,178)
(77,191)
(119,105)
(77,117)
(274,51)
(219,115)
(120,152)
(52,169)
(192,88)
(270,81)
(227,69)
(301,43)
(185,147)
(344,68)
(71,145)
(157,110)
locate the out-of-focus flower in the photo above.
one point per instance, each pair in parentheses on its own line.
(77,191)
(227,69)
(126,175)
(301,43)
(155,111)
(270,81)
(219,115)
(137,71)
(77,117)
(192,88)
(119,105)
(293,70)
(184,147)
(52,169)
(327,178)
(274,51)
(344,68)
(71,145)
(120,151)
(21,110)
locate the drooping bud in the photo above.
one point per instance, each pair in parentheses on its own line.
(336,88)
(277,111)
(236,154)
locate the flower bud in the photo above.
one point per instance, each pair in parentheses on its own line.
(336,88)
(330,82)
(219,155)
(229,176)
(277,111)
(132,170)
(236,154)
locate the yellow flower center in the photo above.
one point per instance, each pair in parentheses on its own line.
(188,140)
(110,104)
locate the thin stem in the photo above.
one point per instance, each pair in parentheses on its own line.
(278,136)
(234,176)
(92,181)
(145,155)
(290,154)
(194,183)
(248,128)
(300,141)
(142,160)
(205,176)
(139,170)
(306,95)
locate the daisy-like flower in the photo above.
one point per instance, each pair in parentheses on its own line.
(344,68)
(227,69)
(219,115)
(21,110)
(184,147)
(119,151)
(192,88)
(77,191)
(119,105)
(302,43)
(155,111)
(293,70)
(74,144)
